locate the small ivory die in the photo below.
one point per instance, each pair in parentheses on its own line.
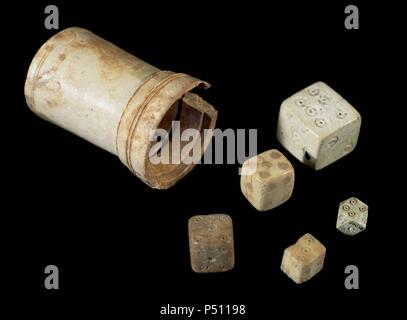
(352,216)
(211,243)
(304,259)
(267,180)
(317,126)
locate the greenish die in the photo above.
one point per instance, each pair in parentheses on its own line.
(352,216)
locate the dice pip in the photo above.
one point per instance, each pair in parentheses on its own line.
(211,244)
(267,180)
(317,126)
(352,216)
(304,259)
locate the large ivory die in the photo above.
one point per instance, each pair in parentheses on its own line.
(267,180)
(318,126)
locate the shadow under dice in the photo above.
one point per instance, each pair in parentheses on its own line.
(267,180)
(352,216)
(304,259)
(317,126)
(211,243)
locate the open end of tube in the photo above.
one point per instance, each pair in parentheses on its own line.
(180,141)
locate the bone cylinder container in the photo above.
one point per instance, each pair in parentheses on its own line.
(114,100)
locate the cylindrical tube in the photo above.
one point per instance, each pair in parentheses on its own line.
(114,100)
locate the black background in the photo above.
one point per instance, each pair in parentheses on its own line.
(69,203)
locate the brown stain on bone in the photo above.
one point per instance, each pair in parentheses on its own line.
(113,60)
(275,155)
(266,164)
(47,81)
(136,68)
(78,44)
(62,57)
(49,47)
(270,187)
(264,174)
(43,79)
(283,165)
(50,103)
(249,187)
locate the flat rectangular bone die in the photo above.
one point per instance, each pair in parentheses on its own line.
(211,243)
